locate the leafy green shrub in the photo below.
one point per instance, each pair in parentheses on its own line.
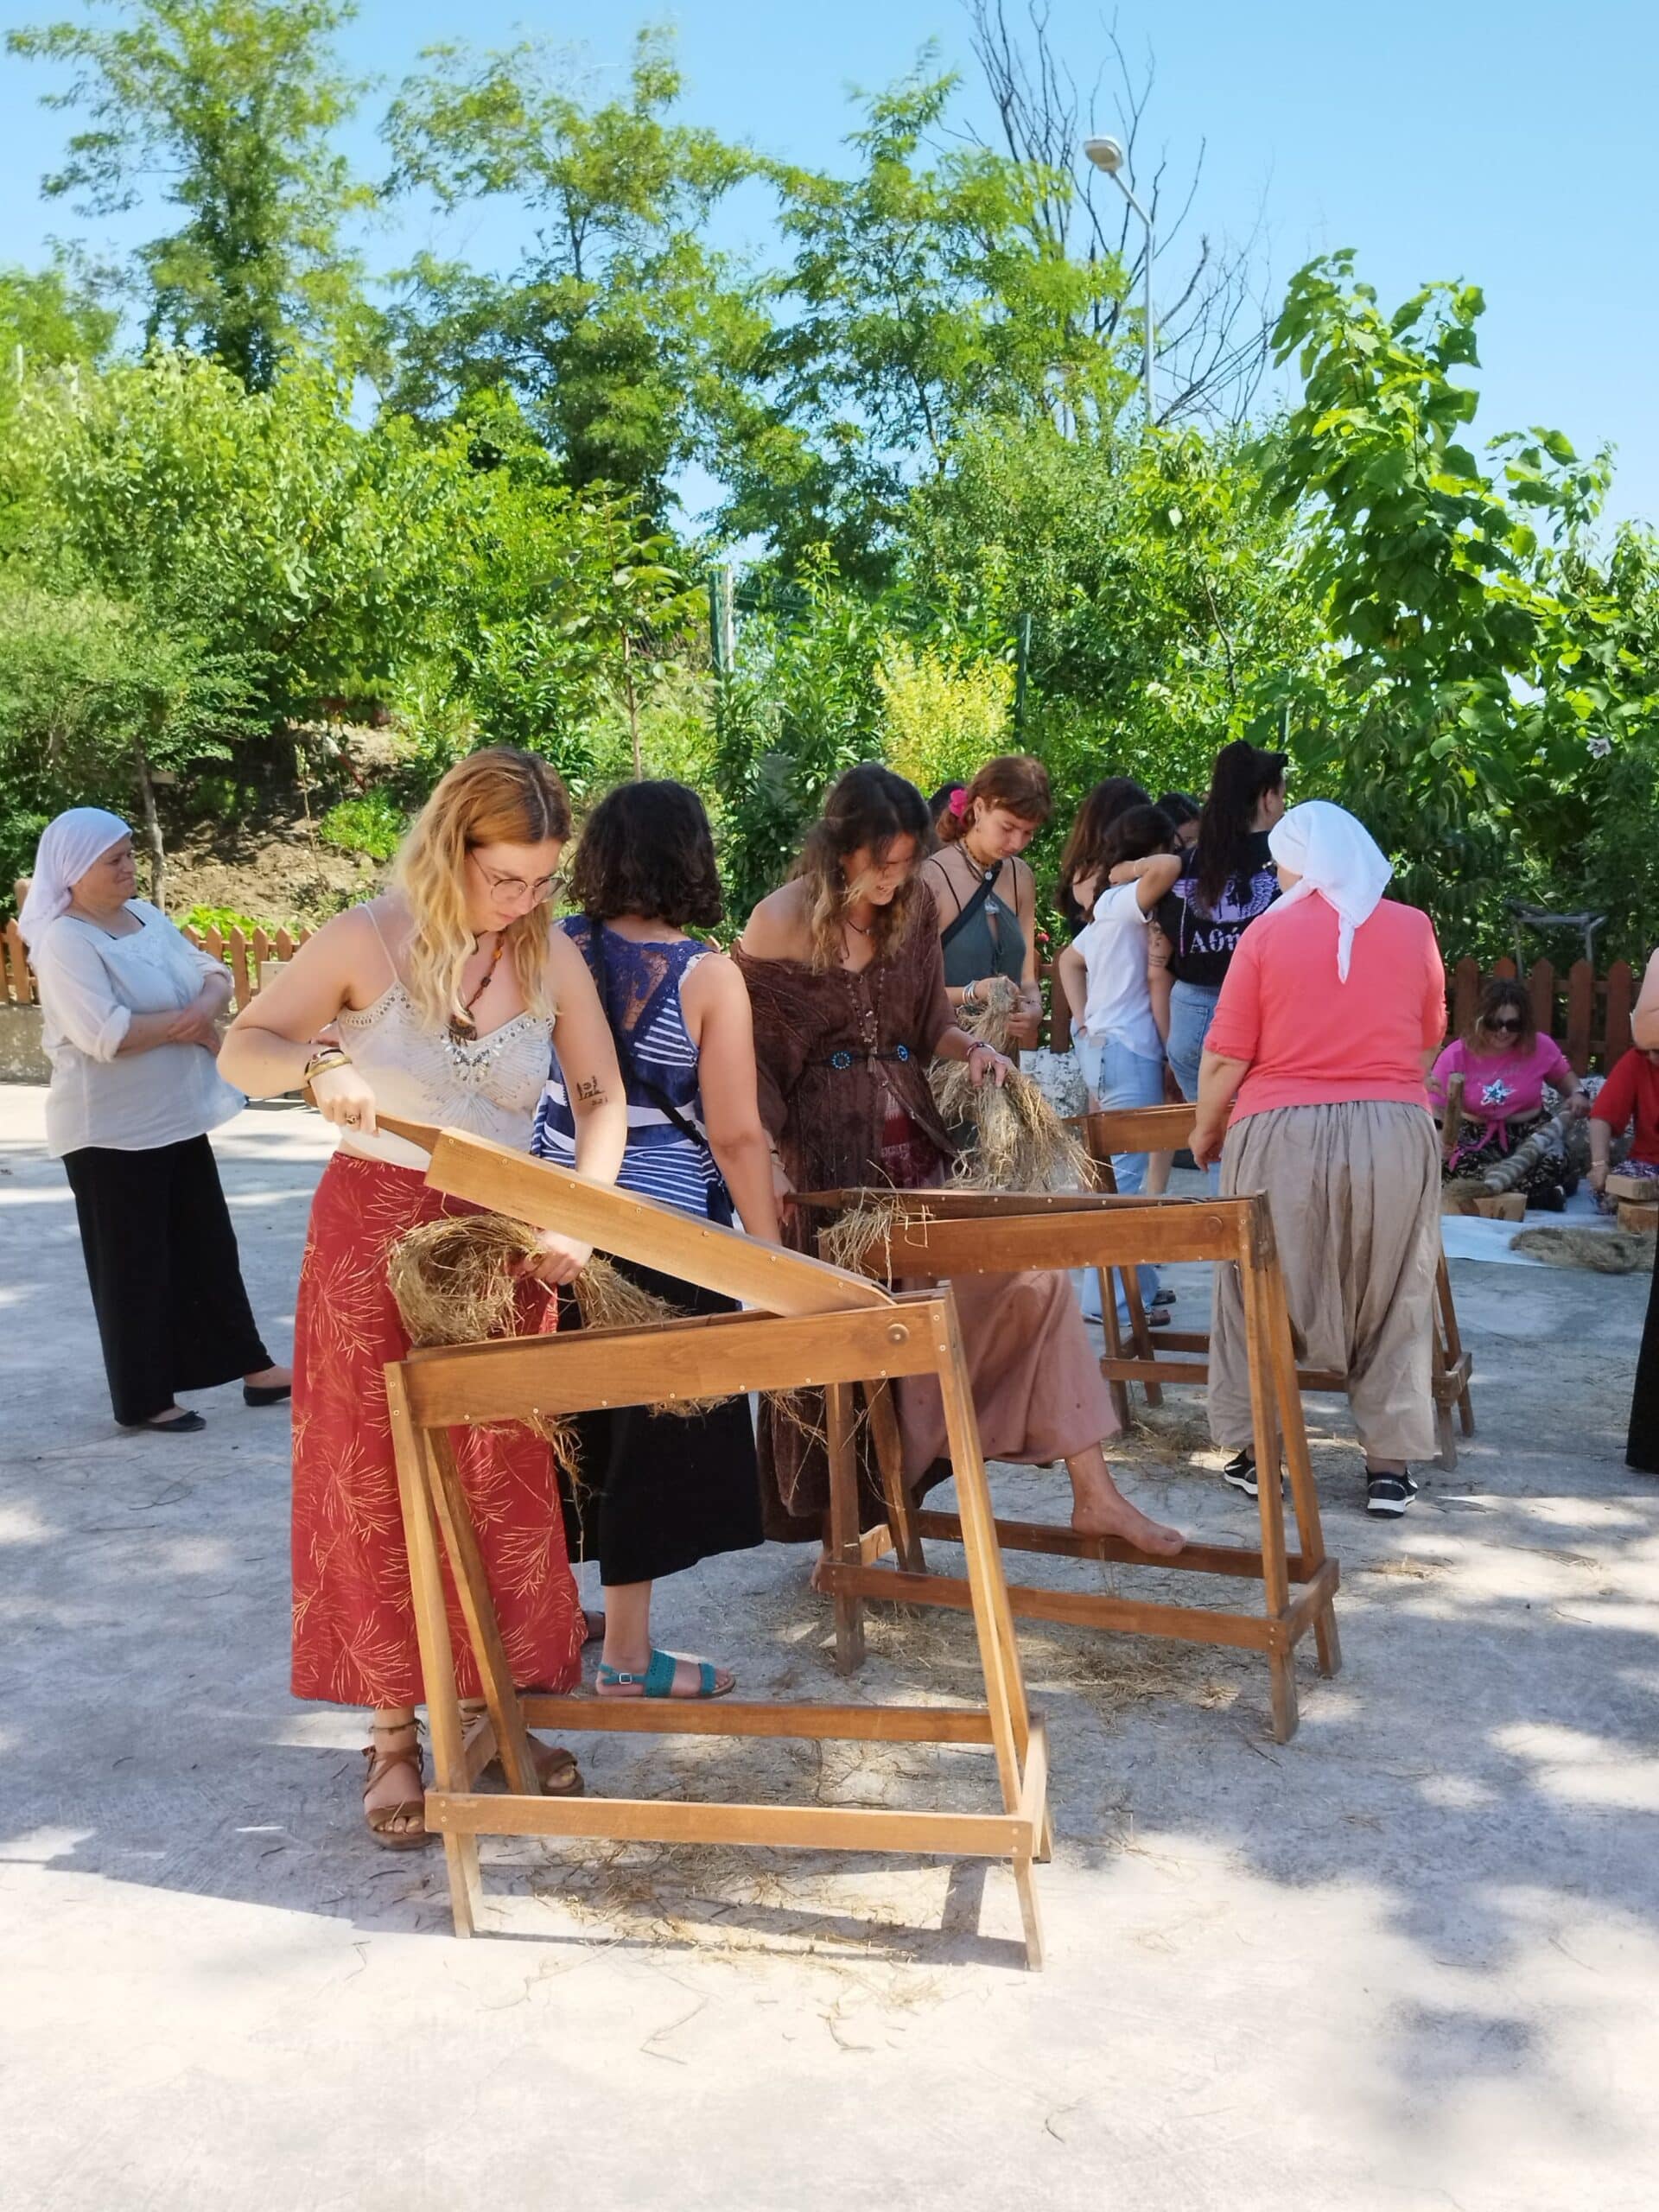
(374,824)
(225,920)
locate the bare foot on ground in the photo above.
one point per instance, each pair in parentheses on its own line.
(1100,1509)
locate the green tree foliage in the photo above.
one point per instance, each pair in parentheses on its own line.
(925,293)
(609,331)
(1473,654)
(96,706)
(236,102)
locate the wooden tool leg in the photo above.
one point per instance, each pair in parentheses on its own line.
(1140,1330)
(415,1476)
(1304,1491)
(999,1650)
(1118,1392)
(1275,1578)
(890,1458)
(843,1521)
(478,1610)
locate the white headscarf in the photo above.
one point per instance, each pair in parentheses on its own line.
(68,847)
(1336,856)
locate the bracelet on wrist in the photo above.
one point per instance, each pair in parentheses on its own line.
(330,1055)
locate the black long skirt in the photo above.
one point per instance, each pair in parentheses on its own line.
(166,1278)
(654,1493)
(1642,1451)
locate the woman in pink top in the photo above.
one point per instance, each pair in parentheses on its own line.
(1505,1062)
(1311,1090)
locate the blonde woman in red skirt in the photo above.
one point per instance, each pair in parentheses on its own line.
(435,1002)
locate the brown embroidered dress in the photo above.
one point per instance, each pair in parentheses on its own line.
(842,1061)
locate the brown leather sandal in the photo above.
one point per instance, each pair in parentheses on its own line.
(559,1774)
(381,1817)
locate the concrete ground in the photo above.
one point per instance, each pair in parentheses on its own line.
(1408,1959)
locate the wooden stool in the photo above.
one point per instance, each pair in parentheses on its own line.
(822,1326)
(1178,1355)
(946,1233)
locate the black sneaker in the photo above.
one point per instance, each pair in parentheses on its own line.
(1551,1200)
(1164,1298)
(1240,1473)
(1388,1495)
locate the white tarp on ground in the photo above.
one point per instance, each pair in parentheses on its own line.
(1466,1236)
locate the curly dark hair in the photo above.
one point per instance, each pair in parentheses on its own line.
(647,849)
(1503,994)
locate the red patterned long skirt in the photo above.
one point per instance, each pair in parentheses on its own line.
(353,1616)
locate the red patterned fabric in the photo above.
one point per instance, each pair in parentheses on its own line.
(353,1616)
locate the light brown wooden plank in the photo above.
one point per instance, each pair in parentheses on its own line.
(796,1827)
(633,1228)
(725,1716)
(1046,1536)
(521,1375)
(1077,1608)
(1098,1232)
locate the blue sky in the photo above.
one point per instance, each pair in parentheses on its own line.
(1504,142)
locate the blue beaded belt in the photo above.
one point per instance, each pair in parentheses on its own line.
(845,1060)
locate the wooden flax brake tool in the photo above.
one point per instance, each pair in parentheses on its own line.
(808,1325)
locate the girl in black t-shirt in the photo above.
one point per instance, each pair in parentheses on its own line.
(1228,881)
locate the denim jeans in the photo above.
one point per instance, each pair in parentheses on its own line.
(1117,1076)
(1191,1009)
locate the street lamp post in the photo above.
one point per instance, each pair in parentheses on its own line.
(1108,155)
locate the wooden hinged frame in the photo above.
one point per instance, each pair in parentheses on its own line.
(823,1327)
(1182,1355)
(945,1233)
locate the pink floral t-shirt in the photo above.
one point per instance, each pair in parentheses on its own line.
(1501,1086)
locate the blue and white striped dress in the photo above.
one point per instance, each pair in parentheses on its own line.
(643,1005)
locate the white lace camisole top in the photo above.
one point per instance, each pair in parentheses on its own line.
(489,1085)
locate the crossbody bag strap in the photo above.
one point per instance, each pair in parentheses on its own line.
(969,906)
(631,1068)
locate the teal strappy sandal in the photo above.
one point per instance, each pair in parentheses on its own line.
(658,1681)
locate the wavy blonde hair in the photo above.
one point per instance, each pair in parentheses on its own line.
(498,797)
(869,806)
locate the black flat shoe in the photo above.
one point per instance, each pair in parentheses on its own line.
(186,1425)
(266,1394)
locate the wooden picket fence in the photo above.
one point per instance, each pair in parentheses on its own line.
(244,955)
(1589,1014)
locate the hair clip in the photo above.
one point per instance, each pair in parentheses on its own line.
(959,801)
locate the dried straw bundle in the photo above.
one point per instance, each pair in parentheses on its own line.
(1604,1251)
(456,1282)
(1021,1142)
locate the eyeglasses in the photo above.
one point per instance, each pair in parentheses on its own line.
(514,887)
(1510,1022)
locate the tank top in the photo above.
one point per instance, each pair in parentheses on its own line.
(642,986)
(487,1085)
(990,942)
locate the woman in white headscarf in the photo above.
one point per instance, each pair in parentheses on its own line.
(1311,1090)
(129,1011)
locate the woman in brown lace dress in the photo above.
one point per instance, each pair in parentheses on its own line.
(847,986)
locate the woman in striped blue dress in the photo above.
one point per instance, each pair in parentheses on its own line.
(657,1492)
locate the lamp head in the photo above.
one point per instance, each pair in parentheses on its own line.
(1105,154)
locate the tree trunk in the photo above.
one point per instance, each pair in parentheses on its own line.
(634,707)
(152,832)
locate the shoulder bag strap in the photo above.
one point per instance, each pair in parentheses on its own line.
(631,1068)
(969,906)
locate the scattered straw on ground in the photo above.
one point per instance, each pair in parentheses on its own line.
(1604,1251)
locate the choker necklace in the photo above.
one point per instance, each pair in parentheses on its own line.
(863,928)
(992,868)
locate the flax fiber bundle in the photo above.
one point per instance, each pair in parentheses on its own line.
(1019,1141)
(456,1282)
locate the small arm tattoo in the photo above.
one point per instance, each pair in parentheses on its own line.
(590,1091)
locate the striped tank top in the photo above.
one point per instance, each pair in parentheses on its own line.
(659,1070)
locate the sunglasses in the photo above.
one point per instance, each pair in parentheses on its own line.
(1510,1022)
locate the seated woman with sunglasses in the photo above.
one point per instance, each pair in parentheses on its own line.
(1505,1062)
(435,1003)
